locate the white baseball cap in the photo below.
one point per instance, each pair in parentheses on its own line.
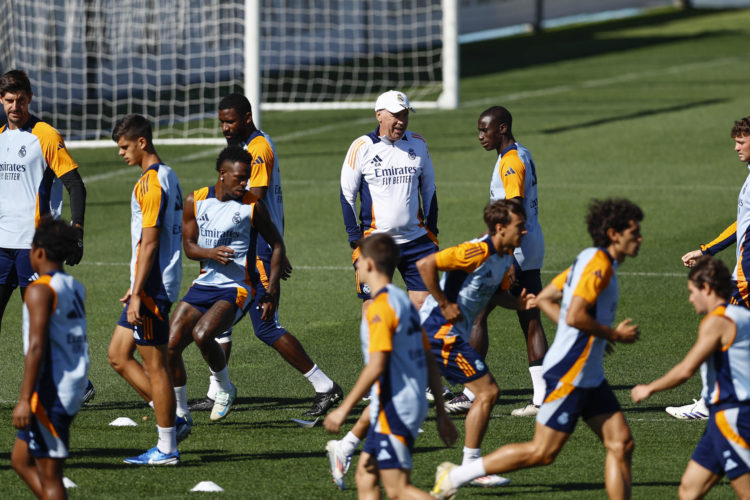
(393,101)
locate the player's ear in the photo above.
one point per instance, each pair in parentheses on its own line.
(612,235)
(142,143)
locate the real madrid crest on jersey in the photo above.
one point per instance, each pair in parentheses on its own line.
(22,152)
(236,218)
(412,154)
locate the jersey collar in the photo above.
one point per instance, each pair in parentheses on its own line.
(252,136)
(512,147)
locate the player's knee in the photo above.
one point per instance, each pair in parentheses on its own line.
(686,491)
(202,336)
(621,447)
(117,359)
(489,394)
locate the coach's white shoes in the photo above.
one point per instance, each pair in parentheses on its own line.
(223,403)
(339,463)
(444,489)
(696,410)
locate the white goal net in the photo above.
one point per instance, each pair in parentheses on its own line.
(92,61)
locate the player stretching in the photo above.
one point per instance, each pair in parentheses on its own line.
(57,359)
(737,233)
(473,272)
(155,276)
(722,351)
(398,368)
(220,226)
(235,115)
(514,176)
(582,300)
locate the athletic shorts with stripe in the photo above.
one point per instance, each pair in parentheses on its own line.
(15,267)
(48,434)
(564,404)
(724,447)
(389,450)
(155,327)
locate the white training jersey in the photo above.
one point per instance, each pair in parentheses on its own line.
(726,373)
(514,175)
(575,357)
(32,159)
(391,324)
(66,361)
(390,178)
(157,202)
(225,223)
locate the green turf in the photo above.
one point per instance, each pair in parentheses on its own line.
(639,108)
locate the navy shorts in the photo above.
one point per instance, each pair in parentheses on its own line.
(155,327)
(388,450)
(409,254)
(268,331)
(564,404)
(15,267)
(48,435)
(202,297)
(459,363)
(724,447)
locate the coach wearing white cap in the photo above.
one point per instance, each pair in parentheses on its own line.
(391,171)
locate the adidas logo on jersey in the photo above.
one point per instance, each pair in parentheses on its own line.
(510,171)
(203,218)
(258,161)
(377,161)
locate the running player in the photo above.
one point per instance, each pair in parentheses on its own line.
(514,176)
(582,300)
(737,233)
(57,359)
(155,277)
(235,115)
(220,226)
(398,367)
(473,272)
(34,164)
(722,351)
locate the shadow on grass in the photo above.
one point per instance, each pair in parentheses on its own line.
(634,115)
(557,488)
(574,43)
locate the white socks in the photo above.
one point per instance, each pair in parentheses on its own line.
(537,380)
(469,394)
(471,455)
(222,379)
(167,440)
(319,380)
(213,386)
(180,397)
(349,443)
(467,472)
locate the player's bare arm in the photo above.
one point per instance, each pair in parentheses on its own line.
(262,222)
(428,270)
(147,251)
(548,301)
(578,317)
(39,301)
(370,373)
(221,254)
(711,335)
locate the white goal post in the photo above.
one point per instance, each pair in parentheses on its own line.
(93,61)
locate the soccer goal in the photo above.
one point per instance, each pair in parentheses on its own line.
(92,61)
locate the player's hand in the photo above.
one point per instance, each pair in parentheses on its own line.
(134,311)
(626,332)
(222,254)
(286,268)
(268,304)
(689,258)
(22,415)
(451,312)
(333,420)
(125,298)
(447,429)
(77,253)
(526,301)
(639,393)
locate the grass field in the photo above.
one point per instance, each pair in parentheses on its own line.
(639,108)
